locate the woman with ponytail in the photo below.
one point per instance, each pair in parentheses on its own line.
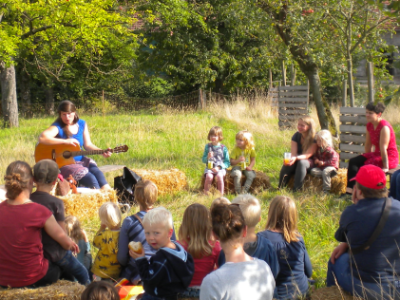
(241,277)
(294,262)
(22,263)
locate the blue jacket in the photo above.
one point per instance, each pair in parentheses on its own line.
(225,161)
(265,251)
(168,273)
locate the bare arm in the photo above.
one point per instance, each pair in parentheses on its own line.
(62,225)
(383,145)
(293,148)
(58,234)
(368,144)
(87,142)
(48,137)
(310,152)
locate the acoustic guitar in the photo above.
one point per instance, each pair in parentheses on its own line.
(64,154)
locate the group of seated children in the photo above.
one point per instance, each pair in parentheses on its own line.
(325,161)
(216,248)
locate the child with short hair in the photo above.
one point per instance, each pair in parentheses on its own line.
(216,158)
(255,245)
(106,265)
(45,175)
(100,290)
(79,236)
(171,269)
(326,159)
(219,201)
(195,235)
(294,262)
(243,159)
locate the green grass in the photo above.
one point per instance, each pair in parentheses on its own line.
(163,141)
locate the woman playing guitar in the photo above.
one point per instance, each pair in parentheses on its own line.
(68,129)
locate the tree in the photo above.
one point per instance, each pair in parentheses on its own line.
(72,29)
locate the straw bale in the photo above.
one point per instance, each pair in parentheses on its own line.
(260,183)
(86,206)
(331,293)
(167,181)
(61,290)
(338,184)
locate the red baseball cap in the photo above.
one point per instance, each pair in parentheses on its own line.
(371,177)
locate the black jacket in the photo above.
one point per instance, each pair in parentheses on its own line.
(168,272)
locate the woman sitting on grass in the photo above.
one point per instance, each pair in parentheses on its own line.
(303,147)
(22,263)
(294,262)
(380,145)
(241,277)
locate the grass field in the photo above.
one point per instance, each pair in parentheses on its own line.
(162,140)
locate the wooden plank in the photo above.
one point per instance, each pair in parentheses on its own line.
(352,148)
(293,100)
(360,120)
(289,118)
(298,111)
(294,88)
(343,165)
(296,93)
(352,110)
(110,168)
(353,129)
(292,105)
(346,155)
(352,138)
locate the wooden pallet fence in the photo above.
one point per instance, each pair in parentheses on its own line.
(292,103)
(352,133)
(273,93)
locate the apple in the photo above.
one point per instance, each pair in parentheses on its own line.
(380,96)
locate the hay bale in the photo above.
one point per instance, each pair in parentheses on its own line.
(61,290)
(167,181)
(260,183)
(331,293)
(338,185)
(86,206)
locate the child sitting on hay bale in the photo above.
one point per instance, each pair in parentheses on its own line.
(216,158)
(243,159)
(255,245)
(45,174)
(145,194)
(326,160)
(100,290)
(79,236)
(106,265)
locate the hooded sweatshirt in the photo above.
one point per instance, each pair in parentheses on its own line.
(168,272)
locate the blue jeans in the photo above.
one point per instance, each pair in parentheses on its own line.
(345,279)
(394,191)
(72,266)
(94,179)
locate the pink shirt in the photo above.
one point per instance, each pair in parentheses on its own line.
(21,251)
(205,265)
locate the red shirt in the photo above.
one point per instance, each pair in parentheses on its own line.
(205,265)
(21,251)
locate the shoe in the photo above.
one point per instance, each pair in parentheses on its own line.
(333,173)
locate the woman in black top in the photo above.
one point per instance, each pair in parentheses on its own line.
(303,148)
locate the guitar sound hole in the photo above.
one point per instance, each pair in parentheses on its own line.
(67,154)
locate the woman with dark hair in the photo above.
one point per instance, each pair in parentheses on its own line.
(22,261)
(242,277)
(380,144)
(68,129)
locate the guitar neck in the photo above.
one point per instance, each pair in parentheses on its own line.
(90,152)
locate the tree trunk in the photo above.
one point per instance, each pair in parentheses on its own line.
(49,100)
(350,58)
(293,73)
(9,95)
(26,103)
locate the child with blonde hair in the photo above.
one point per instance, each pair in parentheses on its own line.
(219,201)
(195,235)
(255,245)
(294,262)
(243,158)
(326,159)
(216,158)
(79,236)
(146,193)
(106,265)
(170,270)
